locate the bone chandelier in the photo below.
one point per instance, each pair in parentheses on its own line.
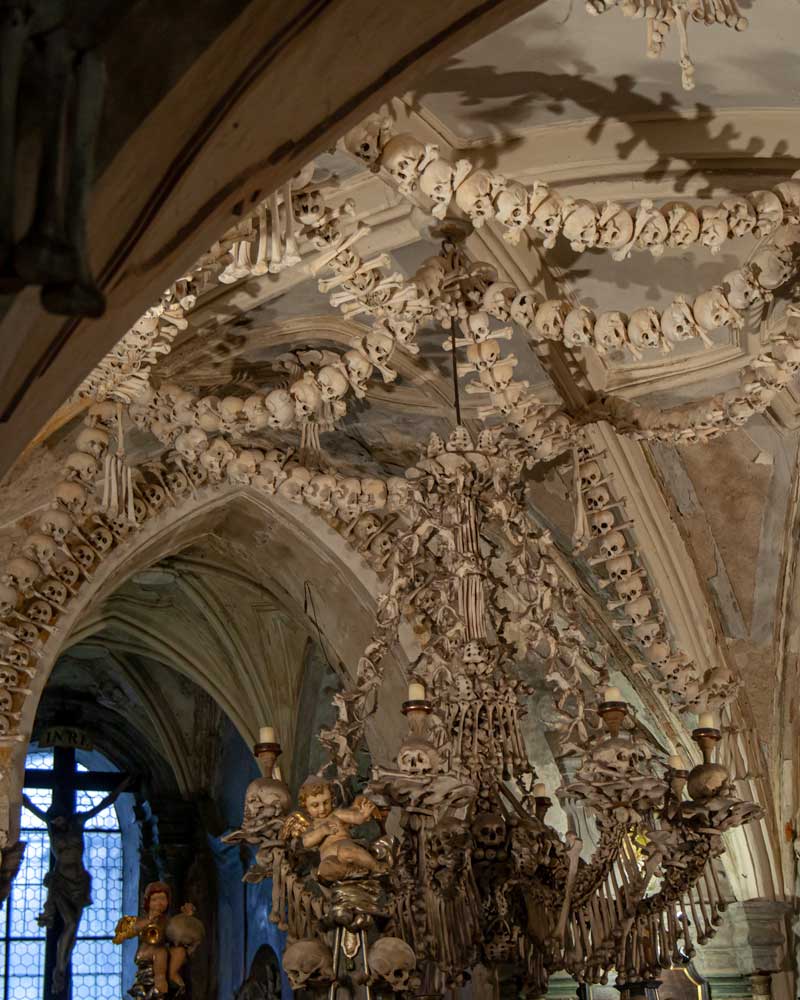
(472,873)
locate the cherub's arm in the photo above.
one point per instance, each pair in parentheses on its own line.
(314,836)
(361,811)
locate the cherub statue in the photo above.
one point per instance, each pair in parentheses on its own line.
(164,943)
(327,828)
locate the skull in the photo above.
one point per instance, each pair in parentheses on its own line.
(280,409)
(42,548)
(677,321)
(294,486)
(613,544)
(651,228)
(39,612)
(308,206)
(550,318)
(438,182)
(591,474)
(484,355)
(230,411)
(367,139)
(769,212)
(177,482)
(359,370)
(644,329)
(381,547)
(255,413)
(332,381)
(405,158)
(216,458)
(319,491)
(580,224)
(92,441)
(658,653)
(513,211)
(497,300)
(9,678)
(614,227)
(85,555)
(712,310)
(308,963)
(9,598)
(683,223)
(417,756)
(57,524)
(55,591)
(373,494)
(242,469)
(73,497)
(489,830)
(741,216)
(610,332)
(647,633)
(398,495)
(475,196)
(714,229)
(102,414)
(265,799)
(68,573)
(741,288)
(579,327)
(153,495)
(165,430)
(789,194)
(629,588)
(19,657)
(347,497)
(378,346)
(772,267)
(208,418)
(546,206)
(393,961)
(523,308)
(639,610)
(619,568)
(81,467)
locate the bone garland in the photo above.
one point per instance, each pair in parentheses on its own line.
(483,195)
(661,16)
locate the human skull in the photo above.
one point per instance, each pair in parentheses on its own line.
(9,678)
(373,494)
(255,413)
(550,318)
(614,227)
(404,157)
(644,329)
(319,490)
(41,548)
(477,326)
(102,414)
(308,206)
(579,327)
(484,355)
(241,469)
(417,756)
(378,346)
(613,544)
(230,411)
(580,224)
(92,441)
(393,961)
(512,207)
(647,633)
(22,574)
(714,228)
(85,555)
(332,381)
(265,799)
(639,610)
(73,498)
(712,310)
(651,228)
(81,467)
(772,267)
(39,612)
(55,591)
(683,224)
(216,458)
(489,830)
(367,139)
(741,288)
(68,573)
(208,417)
(359,370)
(381,547)
(153,495)
(523,308)
(9,598)
(177,482)
(610,332)
(497,300)
(308,963)
(438,182)
(546,206)
(398,494)
(769,212)
(57,524)
(590,475)
(347,496)
(658,653)
(294,486)
(629,588)
(280,409)
(475,195)
(677,321)
(789,194)
(619,568)
(741,216)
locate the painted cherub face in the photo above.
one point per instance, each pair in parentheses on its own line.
(319,804)
(158,903)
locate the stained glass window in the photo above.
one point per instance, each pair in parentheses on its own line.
(96,963)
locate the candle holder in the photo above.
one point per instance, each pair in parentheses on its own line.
(613,713)
(266,755)
(708,779)
(417,713)
(541,804)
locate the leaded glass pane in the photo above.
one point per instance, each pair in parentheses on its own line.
(106,820)
(28,893)
(103,858)
(96,970)
(41,798)
(25,970)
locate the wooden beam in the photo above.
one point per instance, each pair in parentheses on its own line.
(280,85)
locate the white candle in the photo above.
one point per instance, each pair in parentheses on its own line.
(266,734)
(540,791)
(706,721)
(416,692)
(612,694)
(676,762)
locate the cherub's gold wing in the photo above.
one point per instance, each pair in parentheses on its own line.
(295,825)
(126,928)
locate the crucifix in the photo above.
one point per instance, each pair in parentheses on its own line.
(68,882)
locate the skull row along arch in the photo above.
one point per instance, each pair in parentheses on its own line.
(484,195)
